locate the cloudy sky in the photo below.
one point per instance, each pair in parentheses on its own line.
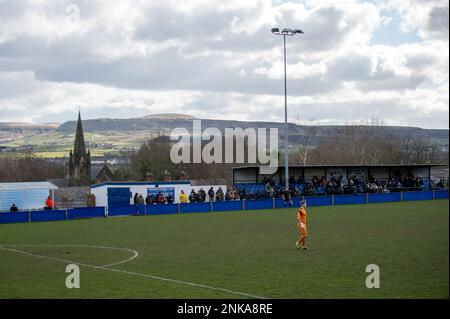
(357,60)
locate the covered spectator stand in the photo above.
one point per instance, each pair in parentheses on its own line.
(26,196)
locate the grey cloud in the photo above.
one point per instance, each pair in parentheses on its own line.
(391,84)
(350,67)
(322,30)
(169,70)
(438,20)
(71,58)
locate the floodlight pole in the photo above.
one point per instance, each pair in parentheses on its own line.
(284,33)
(286,154)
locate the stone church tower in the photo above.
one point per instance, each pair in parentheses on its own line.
(80,160)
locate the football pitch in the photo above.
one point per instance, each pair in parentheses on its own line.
(241,254)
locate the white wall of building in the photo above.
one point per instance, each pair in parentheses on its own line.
(101,191)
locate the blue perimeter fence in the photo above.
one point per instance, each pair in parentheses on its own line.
(332,200)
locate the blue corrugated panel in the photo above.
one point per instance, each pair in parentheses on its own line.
(441,194)
(279,202)
(384,198)
(162,209)
(349,199)
(86,212)
(122,210)
(19,217)
(43,216)
(318,201)
(227,206)
(195,208)
(258,204)
(418,195)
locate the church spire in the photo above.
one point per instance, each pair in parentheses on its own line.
(79,159)
(79,147)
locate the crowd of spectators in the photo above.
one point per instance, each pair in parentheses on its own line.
(153,199)
(336,185)
(199,196)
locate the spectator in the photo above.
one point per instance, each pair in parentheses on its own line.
(211,194)
(183,197)
(13,208)
(141,199)
(287,198)
(219,195)
(193,196)
(49,203)
(201,195)
(148,200)
(135,199)
(232,193)
(160,199)
(169,199)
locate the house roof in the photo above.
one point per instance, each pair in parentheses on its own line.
(27,186)
(142,183)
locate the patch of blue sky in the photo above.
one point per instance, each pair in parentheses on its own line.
(391,34)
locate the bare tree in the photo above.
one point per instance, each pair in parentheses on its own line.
(27,168)
(309,133)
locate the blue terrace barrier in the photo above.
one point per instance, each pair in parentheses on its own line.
(318,201)
(85,212)
(258,204)
(383,198)
(19,217)
(122,210)
(441,194)
(279,202)
(349,199)
(418,195)
(90,212)
(227,206)
(141,209)
(195,208)
(48,215)
(161,209)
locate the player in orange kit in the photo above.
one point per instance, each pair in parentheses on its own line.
(301,225)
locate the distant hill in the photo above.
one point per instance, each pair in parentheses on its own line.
(27,127)
(165,123)
(11,132)
(53,140)
(170,117)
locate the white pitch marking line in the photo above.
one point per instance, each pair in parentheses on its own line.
(134,252)
(176,281)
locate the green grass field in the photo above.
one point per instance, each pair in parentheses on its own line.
(234,254)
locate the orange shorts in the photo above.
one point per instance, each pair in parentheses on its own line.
(303,230)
